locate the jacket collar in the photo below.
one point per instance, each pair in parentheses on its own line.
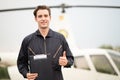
(50,33)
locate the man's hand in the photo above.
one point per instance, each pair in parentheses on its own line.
(32,76)
(63,60)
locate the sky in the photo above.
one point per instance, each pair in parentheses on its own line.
(90,27)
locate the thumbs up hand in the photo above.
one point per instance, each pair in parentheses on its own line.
(63,60)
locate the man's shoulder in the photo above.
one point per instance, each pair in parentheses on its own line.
(29,36)
(60,36)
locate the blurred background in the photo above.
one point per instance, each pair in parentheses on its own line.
(92,23)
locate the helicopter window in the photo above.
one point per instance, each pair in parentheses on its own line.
(81,63)
(102,64)
(4,73)
(116,59)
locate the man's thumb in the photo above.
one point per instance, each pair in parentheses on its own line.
(64,54)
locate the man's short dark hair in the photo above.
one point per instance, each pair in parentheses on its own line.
(41,7)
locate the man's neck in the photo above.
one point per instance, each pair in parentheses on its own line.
(44,32)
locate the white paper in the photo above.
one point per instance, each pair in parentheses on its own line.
(41,56)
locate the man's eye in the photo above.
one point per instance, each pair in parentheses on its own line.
(40,16)
(46,15)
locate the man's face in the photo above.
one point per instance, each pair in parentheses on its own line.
(43,18)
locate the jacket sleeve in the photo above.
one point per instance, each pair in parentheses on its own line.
(69,54)
(22,61)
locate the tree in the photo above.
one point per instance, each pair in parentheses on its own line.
(106,47)
(116,48)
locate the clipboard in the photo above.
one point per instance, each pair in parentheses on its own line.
(41,66)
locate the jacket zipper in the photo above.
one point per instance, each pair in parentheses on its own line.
(45,46)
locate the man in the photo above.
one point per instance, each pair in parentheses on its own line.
(44,41)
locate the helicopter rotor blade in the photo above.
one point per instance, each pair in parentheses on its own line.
(95,6)
(63,6)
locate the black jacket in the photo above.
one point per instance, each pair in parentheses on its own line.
(39,45)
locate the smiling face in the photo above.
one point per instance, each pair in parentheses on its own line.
(43,18)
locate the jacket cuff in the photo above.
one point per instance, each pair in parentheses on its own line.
(25,74)
(68,64)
